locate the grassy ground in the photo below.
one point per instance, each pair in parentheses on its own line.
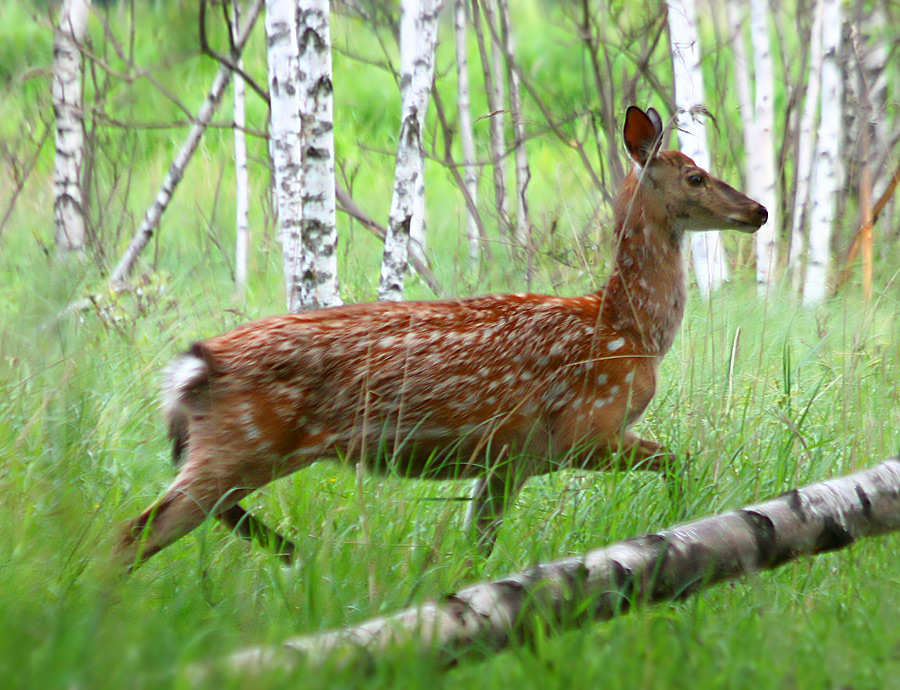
(762,395)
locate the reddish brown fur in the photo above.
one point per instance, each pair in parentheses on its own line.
(500,387)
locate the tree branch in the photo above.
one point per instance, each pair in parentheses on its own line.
(232,62)
(176,169)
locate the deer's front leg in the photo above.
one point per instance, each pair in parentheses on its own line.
(635,453)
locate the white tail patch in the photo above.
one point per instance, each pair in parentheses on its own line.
(179,377)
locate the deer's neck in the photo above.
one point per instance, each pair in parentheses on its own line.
(646,293)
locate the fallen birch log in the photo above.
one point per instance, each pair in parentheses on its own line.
(603,583)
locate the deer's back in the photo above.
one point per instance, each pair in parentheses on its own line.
(418,377)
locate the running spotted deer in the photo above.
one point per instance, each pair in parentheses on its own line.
(499,388)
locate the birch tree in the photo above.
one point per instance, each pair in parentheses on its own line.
(68,203)
(491,67)
(284,139)
(806,147)
(242,182)
(465,128)
(710,266)
(610,581)
(762,173)
(523,173)
(318,263)
(826,172)
(177,168)
(418,37)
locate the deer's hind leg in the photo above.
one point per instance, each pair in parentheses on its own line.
(198,492)
(235,518)
(244,525)
(210,483)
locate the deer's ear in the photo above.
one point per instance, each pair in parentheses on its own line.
(642,133)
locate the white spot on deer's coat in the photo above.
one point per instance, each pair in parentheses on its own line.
(613,390)
(616,344)
(629,377)
(602,379)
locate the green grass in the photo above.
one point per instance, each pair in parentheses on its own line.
(763,396)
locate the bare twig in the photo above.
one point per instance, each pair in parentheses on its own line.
(176,169)
(23,178)
(231,62)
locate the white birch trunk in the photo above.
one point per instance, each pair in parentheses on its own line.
(827,173)
(418,37)
(68,203)
(806,147)
(465,129)
(408,55)
(710,266)
(764,172)
(285,139)
(610,581)
(242,182)
(318,265)
(176,169)
(491,66)
(523,174)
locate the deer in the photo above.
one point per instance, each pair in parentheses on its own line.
(496,388)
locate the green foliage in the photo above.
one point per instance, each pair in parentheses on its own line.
(761,396)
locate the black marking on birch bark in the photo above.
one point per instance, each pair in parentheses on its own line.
(620,598)
(833,536)
(763,530)
(317,153)
(68,199)
(409,131)
(311,36)
(322,87)
(455,607)
(795,503)
(864,501)
(653,586)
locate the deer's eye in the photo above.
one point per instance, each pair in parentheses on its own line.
(695,180)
